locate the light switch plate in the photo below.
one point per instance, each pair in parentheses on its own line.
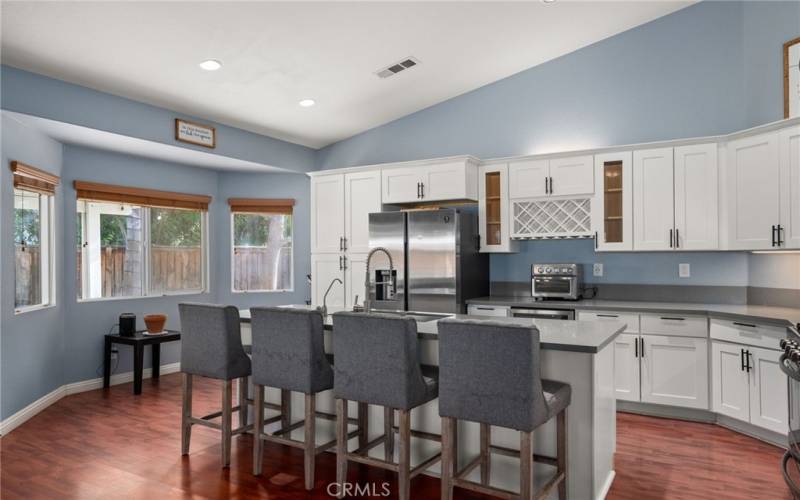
(684,270)
(597,269)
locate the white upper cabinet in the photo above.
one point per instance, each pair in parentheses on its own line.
(528,178)
(653,208)
(696,197)
(452,180)
(569,176)
(753,192)
(493,213)
(612,207)
(401,185)
(572,176)
(327,214)
(790,187)
(362,196)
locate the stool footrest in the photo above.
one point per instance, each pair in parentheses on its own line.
(485,489)
(422,466)
(510,452)
(423,435)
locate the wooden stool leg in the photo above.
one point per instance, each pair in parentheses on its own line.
(388,430)
(186,412)
(258,428)
(242,383)
(404,463)
(526,465)
(310,445)
(363,424)
(486,438)
(341,445)
(561,457)
(447,458)
(286,409)
(227,410)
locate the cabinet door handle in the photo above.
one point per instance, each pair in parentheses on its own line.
(344,260)
(546,187)
(485,308)
(748,325)
(773,235)
(341,266)
(670,238)
(672,318)
(341,245)
(641,350)
(636,349)
(677,238)
(344,243)
(741,357)
(595,240)
(747,355)
(418,195)
(551,185)
(422,186)
(608,316)
(780,235)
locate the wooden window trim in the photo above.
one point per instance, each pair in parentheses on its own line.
(30,178)
(261,205)
(140,196)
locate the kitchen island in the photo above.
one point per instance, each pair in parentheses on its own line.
(576,352)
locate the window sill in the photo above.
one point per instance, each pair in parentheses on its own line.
(139,297)
(28,309)
(245,292)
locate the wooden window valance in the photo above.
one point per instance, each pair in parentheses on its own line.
(33,179)
(261,205)
(140,196)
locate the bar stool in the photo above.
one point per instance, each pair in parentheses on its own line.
(289,354)
(212,347)
(377,362)
(489,373)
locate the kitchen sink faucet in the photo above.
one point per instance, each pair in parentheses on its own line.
(367,301)
(325,297)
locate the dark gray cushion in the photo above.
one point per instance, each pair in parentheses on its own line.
(211,342)
(289,351)
(377,361)
(489,373)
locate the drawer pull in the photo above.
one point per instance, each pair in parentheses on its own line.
(669,318)
(748,325)
(485,308)
(607,316)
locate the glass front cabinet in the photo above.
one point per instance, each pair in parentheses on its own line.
(613,204)
(493,215)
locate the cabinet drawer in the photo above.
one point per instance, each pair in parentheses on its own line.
(744,332)
(674,324)
(484,310)
(631,319)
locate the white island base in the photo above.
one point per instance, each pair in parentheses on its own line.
(591,423)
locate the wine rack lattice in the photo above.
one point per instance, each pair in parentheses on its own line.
(567,218)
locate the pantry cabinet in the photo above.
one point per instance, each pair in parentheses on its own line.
(493,210)
(327,214)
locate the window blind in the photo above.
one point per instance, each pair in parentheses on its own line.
(139,196)
(261,205)
(33,179)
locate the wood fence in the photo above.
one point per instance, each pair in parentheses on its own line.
(256,268)
(28,282)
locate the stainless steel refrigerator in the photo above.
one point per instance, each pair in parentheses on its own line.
(437,264)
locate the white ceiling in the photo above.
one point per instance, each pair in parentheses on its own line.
(69,133)
(275,54)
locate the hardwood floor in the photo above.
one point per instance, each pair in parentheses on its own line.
(110,444)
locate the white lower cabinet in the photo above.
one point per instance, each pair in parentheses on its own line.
(626,367)
(674,370)
(355,269)
(487,310)
(325,268)
(748,385)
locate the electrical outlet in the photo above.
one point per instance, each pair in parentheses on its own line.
(597,269)
(684,270)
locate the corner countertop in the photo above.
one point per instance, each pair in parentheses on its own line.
(575,336)
(777,316)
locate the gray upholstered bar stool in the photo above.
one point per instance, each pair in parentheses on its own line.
(489,373)
(289,354)
(377,362)
(211,346)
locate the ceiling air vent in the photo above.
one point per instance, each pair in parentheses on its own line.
(397,67)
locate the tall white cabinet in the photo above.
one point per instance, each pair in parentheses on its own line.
(340,208)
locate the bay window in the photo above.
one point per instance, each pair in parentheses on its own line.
(138,243)
(261,234)
(34,263)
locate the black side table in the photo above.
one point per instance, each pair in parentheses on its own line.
(138,341)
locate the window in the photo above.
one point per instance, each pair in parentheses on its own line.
(262,245)
(34,265)
(136,249)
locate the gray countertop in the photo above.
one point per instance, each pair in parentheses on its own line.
(576,336)
(779,316)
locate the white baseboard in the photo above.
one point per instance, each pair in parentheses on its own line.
(25,414)
(607,485)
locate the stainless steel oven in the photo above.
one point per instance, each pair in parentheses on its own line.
(790,364)
(520,312)
(556,281)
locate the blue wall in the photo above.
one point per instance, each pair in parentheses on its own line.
(32,343)
(39,95)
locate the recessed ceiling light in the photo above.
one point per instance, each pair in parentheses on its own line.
(211,65)
(307,103)
(548,1)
